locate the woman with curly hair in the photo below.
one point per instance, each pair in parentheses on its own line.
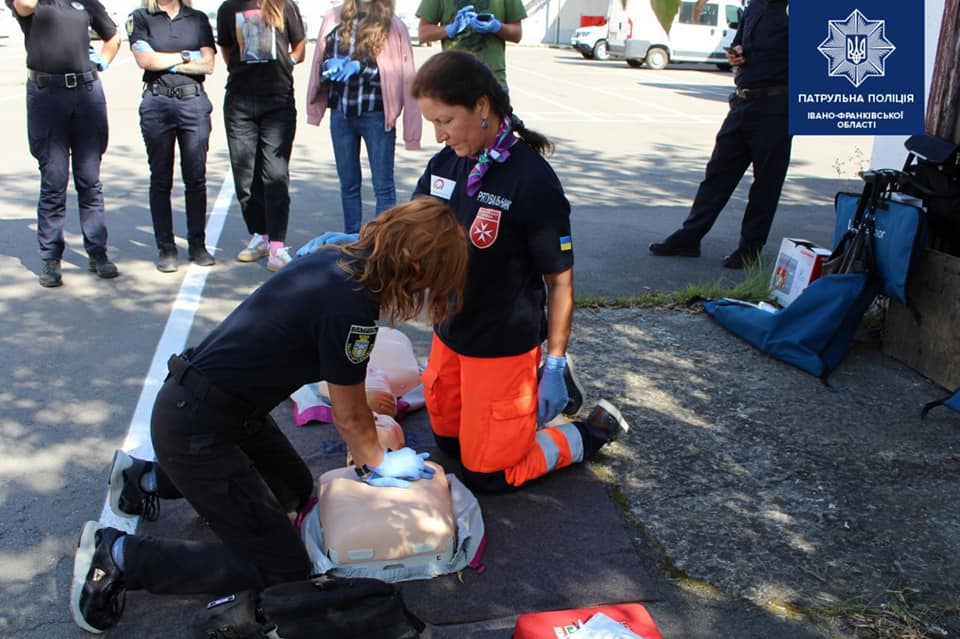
(362,70)
(216,443)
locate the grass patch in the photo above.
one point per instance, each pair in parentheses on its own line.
(897,617)
(755,287)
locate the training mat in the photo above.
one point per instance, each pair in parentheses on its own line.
(558,543)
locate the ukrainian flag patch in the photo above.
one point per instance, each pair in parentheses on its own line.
(566,244)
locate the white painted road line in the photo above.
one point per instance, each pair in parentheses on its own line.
(173,340)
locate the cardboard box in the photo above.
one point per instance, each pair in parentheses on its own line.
(798,263)
(932,348)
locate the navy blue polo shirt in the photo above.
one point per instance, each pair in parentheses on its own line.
(57,37)
(187,31)
(259,62)
(518,225)
(309,322)
(763,34)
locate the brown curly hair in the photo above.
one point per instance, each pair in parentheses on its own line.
(406,251)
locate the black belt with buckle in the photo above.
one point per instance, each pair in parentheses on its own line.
(61,80)
(762,92)
(185,91)
(182,372)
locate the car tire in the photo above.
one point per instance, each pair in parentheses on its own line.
(587,56)
(634,63)
(723,66)
(657,58)
(600,51)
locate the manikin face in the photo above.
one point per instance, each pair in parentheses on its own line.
(458,127)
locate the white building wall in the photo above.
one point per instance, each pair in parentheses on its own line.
(554,21)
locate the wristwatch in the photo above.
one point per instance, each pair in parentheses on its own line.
(185,55)
(362,471)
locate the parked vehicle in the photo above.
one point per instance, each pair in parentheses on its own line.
(636,35)
(591,42)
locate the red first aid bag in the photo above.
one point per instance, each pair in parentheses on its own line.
(557,624)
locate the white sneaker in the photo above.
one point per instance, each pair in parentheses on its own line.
(256,248)
(278,260)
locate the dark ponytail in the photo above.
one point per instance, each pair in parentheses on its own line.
(459,78)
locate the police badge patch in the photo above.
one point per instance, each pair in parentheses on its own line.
(360,343)
(129,26)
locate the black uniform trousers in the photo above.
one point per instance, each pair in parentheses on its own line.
(243,477)
(65,124)
(166,122)
(754,132)
(260,131)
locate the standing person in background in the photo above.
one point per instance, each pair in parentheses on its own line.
(261,41)
(67,121)
(754,132)
(362,69)
(174,46)
(482,27)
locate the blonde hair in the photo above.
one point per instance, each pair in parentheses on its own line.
(407,251)
(273,13)
(152,6)
(372,30)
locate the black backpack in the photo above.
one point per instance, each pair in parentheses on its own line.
(327,607)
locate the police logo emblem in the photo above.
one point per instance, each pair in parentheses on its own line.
(485,227)
(129,26)
(77,6)
(360,343)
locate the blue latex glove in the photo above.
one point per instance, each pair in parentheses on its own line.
(349,68)
(330,237)
(552,392)
(100,63)
(142,46)
(331,66)
(460,21)
(399,467)
(485,26)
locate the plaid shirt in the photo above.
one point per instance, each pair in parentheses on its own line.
(361,92)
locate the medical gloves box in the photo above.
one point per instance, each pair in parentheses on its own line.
(799,263)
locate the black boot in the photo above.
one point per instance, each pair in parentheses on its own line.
(199,254)
(167,260)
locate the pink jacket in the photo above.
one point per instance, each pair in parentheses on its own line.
(395,62)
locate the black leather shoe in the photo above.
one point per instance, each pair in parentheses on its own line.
(605,422)
(200,256)
(103,267)
(167,260)
(50,274)
(574,389)
(741,257)
(668,248)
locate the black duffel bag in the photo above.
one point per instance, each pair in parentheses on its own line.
(321,607)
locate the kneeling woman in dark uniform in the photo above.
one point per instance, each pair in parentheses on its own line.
(216,443)
(67,115)
(174,46)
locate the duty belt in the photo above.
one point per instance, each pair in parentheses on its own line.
(61,80)
(762,92)
(182,372)
(185,91)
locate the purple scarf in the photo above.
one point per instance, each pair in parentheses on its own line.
(499,152)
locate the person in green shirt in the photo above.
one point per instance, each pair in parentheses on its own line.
(482,27)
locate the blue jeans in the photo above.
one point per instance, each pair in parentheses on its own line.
(260,130)
(166,122)
(346,133)
(68,126)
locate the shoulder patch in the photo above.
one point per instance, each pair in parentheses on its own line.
(360,342)
(128,25)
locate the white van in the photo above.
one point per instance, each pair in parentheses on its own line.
(636,35)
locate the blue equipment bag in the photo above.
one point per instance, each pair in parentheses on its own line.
(950,401)
(813,333)
(899,235)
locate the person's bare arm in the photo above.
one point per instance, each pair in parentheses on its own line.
(559,311)
(354,421)
(511,31)
(429,32)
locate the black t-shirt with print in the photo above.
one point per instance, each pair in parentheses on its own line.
(57,34)
(519,229)
(187,31)
(308,322)
(259,62)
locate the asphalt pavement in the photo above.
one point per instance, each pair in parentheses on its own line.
(79,361)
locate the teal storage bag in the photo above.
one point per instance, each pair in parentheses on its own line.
(899,236)
(814,333)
